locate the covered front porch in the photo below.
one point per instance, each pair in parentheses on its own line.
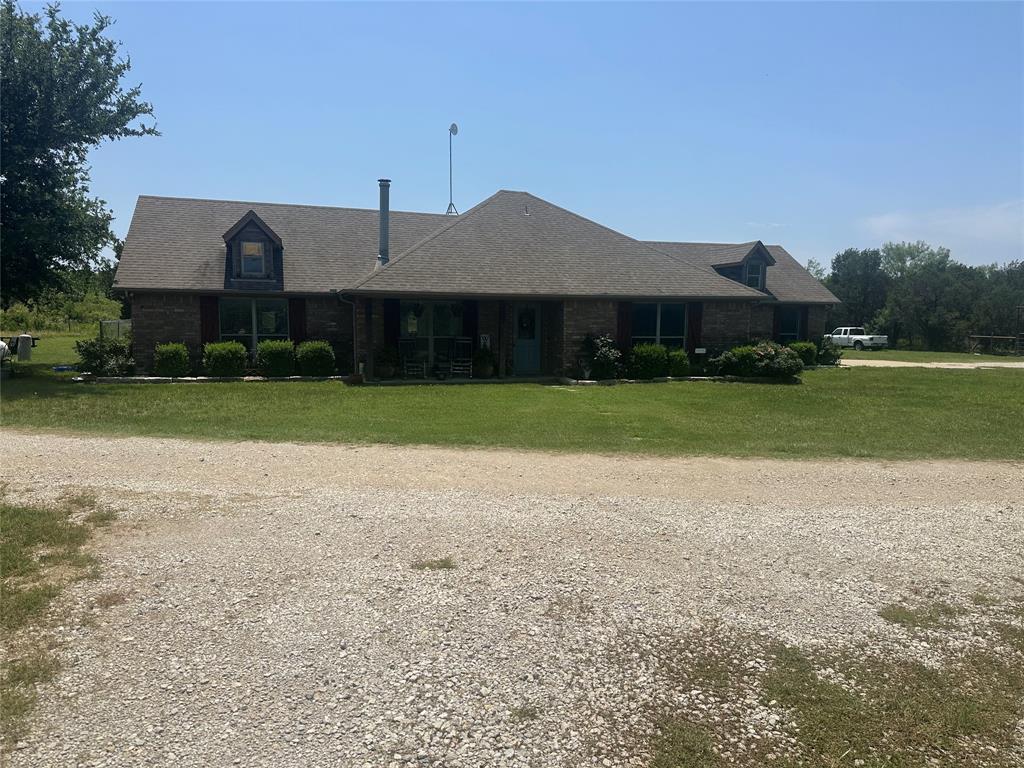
(416,338)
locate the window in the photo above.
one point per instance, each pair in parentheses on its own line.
(659,324)
(253,261)
(429,329)
(252,320)
(755,275)
(789,324)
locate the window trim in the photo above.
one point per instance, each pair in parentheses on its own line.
(760,272)
(658,336)
(254,334)
(242,271)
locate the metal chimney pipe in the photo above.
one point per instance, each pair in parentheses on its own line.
(385,190)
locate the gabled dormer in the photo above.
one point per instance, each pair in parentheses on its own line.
(750,270)
(254,256)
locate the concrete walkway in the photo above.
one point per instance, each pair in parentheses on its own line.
(905,364)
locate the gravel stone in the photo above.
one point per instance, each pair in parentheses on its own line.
(273,616)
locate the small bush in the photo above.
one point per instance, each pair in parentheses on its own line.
(807,351)
(648,361)
(105,357)
(275,357)
(678,363)
(315,358)
(829,353)
(171,360)
(225,358)
(602,357)
(767,359)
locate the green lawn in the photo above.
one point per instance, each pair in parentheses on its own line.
(911,356)
(885,413)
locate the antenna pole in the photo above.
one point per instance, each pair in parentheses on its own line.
(452,210)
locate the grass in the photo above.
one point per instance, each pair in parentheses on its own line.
(915,356)
(834,413)
(848,707)
(929,616)
(441,564)
(42,550)
(900,712)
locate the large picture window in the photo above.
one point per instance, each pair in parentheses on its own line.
(252,320)
(660,323)
(429,329)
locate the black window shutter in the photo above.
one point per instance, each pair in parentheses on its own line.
(297,319)
(804,317)
(624,326)
(694,322)
(209,319)
(392,321)
(470,319)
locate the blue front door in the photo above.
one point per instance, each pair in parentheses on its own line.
(526,352)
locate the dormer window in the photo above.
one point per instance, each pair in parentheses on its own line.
(253,259)
(755,275)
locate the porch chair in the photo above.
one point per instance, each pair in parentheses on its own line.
(414,363)
(462,358)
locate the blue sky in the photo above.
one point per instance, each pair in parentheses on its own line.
(819,126)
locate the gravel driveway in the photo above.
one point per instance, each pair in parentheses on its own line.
(274,616)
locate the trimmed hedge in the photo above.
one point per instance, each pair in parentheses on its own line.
(678,363)
(225,358)
(105,357)
(648,361)
(315,358)
(275,357)
(767,359)
(807,351)
(171,360)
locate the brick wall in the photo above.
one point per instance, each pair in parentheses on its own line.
(552,344)
(727,323)
(580,318)
(762,321)
(817,320)
(158,318)
(330,320)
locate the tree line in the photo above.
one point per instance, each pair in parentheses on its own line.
(921,297)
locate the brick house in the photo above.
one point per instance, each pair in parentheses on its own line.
(517,274)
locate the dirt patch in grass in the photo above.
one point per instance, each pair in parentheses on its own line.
(110,599)
(441,564)
(42,551)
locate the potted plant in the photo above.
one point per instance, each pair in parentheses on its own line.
(385,362)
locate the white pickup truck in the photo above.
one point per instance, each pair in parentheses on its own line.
(856,338)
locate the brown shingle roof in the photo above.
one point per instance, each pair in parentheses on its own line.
(786,280)
(515,244)
(177,243)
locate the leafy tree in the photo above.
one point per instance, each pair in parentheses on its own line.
(857,279)
(817,270)
(61,94)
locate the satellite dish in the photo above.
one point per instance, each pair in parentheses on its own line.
(453,129)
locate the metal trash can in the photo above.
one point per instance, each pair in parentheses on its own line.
(24,347)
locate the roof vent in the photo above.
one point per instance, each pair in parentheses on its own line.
(526,209)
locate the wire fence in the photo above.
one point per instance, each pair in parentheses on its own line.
(115,329)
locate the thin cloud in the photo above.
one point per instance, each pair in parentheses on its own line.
(977,234)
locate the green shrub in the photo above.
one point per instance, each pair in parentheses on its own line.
(767,359)
(171,360)
(602,357)
(648,361)
(829,353)
(105,357)
(807,351)
(678,363)
(275,357)
(315,358)
(225,358)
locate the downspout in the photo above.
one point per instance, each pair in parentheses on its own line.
(355,364)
